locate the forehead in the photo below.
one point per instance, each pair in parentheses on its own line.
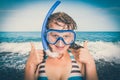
(61,33)
(58,25)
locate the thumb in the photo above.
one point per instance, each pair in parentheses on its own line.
(85,44)
(32,47)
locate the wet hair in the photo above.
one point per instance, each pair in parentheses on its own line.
(64,18)
(75,46)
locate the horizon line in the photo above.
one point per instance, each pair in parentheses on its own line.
(74,30)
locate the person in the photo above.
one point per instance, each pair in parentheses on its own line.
(71,64)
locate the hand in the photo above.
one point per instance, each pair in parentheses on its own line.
(35,57)
(84,55)
(86,58)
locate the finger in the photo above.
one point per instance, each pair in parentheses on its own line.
(85,44)
(32,46)
(41,52)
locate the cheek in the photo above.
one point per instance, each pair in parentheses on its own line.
(51,46)
(67,46)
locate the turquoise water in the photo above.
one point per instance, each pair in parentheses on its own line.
(81,36)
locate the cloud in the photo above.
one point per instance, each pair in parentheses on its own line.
(30,17)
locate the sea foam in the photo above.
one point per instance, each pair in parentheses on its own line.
(108,51)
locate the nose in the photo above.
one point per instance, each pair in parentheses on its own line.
(60,43)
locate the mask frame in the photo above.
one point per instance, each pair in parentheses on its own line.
(60,38)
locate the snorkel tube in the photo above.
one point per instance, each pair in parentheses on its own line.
(44,29)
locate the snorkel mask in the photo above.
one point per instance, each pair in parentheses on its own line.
(66,36)
(52,36)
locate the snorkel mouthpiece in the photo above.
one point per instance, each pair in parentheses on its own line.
(52,54)
(44,42)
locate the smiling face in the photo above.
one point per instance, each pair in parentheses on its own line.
(59,47)
(60,21)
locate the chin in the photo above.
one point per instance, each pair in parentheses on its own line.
(59,50)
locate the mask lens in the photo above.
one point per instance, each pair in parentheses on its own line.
(54,36)
(68,37)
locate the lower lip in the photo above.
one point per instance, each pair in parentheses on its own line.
(60,48)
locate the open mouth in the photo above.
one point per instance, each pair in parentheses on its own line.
(60,47)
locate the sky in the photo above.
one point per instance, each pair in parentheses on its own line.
(90,15)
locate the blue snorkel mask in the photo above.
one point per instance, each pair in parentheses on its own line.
(66,36)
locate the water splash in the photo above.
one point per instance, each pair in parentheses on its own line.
(15,54)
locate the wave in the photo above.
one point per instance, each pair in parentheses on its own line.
(21,48)
(15,54)
(108,51)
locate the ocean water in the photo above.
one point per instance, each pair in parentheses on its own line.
(15,47)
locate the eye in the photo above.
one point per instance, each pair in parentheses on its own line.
(66,36)
(55,36)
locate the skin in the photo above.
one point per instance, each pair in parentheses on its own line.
(84,57)
(54,66)
(35,57)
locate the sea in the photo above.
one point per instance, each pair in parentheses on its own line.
(15,48)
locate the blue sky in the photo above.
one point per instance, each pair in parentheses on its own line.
(90,15)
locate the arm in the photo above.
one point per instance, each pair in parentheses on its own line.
(91,72)
(89,69)
(35,57)
(29,71)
